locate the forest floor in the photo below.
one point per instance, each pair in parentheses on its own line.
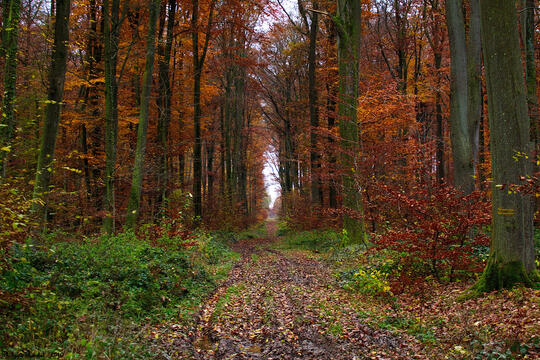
(280,304)
(283,303)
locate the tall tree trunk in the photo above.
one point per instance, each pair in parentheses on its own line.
(528,31)
(57,75)
(198,63)
(9,44)
(331,109)
(349,40)
(316,196)
(111,35)
(511,258)
(164,100)
(462,151)
(474,82)
(138,167)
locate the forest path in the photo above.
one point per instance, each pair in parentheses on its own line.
(280,304)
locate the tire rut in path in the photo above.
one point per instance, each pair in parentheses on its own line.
(281,305)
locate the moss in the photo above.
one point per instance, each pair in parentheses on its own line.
(498,275)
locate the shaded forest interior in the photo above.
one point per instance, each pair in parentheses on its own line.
(408,127)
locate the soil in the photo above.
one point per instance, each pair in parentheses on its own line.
(280,304)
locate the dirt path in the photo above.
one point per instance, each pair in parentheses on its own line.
(280,305)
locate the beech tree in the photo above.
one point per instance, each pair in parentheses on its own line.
(198,64)
(140,151)
(465,90)
(111,25)
(57,75)
(10,29)
(165,94)
(511,258)
(349,22)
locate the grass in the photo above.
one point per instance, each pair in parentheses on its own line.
(94,298)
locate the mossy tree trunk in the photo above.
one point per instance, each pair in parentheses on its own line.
(10,30)
(511,259)
(349,24)
(111,24)
(55,92)
(140,151)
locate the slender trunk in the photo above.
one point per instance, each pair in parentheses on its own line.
(164,100)
(511,258)
(459,98)
(9,44)
(316,196)
(138,167)
(111,40)
(474,81)
(198,63)
(57,75)
(349,40)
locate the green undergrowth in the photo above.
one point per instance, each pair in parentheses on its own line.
(93,298)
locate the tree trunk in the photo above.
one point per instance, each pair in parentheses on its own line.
(138,167)
(316,196)
(198,63)
(511,258)
(474,82)
(349,40)
(57,75)
(459,97)
(528,29)
(164,100)
(111,39)
(9,45)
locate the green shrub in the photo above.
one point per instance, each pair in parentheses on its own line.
(369,281)
(91,297)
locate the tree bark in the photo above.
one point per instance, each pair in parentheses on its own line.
(111,35)
(164,100)
(316,195)
(9,50)
(57,75)
(462,149)
(138,167)
(511,258)
(198,63)
(349,40)
(528,30)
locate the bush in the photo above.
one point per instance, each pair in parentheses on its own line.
(441,234)
(367,280)
(90,298)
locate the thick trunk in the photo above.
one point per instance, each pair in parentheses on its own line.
(9,50)
(511,257)
(138,166)
(349,39)
(111,39)
(528,30)
(57,75)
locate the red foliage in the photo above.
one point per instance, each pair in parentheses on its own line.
(438,232)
